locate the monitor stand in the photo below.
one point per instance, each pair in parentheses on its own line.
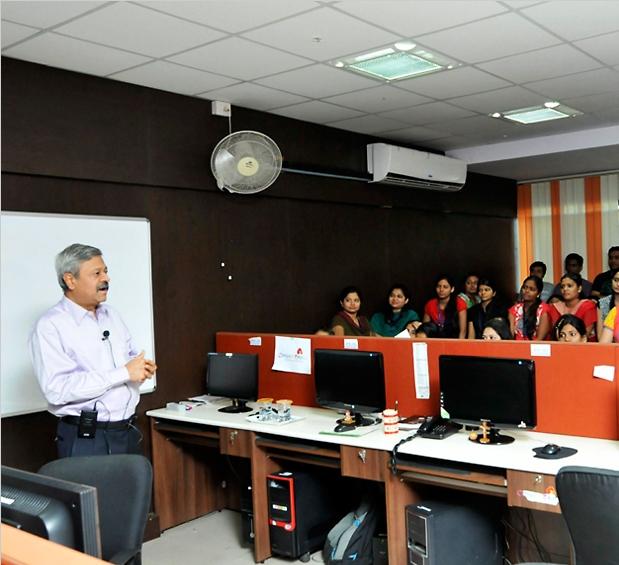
(236,407)
(488,435)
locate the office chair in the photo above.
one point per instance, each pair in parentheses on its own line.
(124,484)
(589,501)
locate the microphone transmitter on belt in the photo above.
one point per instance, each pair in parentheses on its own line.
(87,427)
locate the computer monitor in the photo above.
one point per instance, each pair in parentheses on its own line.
(61,511)
(235,376)
(498,392)
(350,380)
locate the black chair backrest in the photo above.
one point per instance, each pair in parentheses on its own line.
(590,505)
(124,484)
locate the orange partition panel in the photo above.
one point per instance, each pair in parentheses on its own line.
(569,399)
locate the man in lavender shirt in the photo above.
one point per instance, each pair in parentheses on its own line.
(86,363)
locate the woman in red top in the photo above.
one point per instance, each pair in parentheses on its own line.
(528,318)
(447,311)
(585,309)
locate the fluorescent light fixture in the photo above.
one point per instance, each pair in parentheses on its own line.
(535,114)
(401,61)
(374,54)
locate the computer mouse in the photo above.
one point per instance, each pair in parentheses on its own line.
(551,449)
(343,428)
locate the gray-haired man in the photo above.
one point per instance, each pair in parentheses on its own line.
(86,363)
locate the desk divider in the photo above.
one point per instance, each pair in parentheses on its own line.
(570,400)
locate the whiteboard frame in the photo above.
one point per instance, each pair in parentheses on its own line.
(29,287)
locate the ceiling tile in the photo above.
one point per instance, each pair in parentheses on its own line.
(604,47)
(580,84)
(413,134)
(410,19)
(544,63)
(173,78)
(447,143)
(427,113)
(576,20)
(499,100)
(317,111)
(339,35)
(12,33)
(250,95)
(45,14)
(317,81)
(131,27)
(479,125)
(367,124)
(455,82)
(378,99)
(246,14)
(594,102)
(491,38)
(73,54)
(239,58)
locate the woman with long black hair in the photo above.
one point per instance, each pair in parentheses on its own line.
(489,307)
(529,318)
(397,313)
(447,311)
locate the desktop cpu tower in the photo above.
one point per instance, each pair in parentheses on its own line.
(301,512)
(440,533)
(247,516)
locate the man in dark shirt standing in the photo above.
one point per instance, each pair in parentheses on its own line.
(602,283)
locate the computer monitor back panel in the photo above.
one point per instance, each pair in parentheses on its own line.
(61,511)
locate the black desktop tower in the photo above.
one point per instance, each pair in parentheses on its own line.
(247,516)
(301,512)
(440,533)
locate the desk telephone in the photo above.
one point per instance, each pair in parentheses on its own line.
(435,427)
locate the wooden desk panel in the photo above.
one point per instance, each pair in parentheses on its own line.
(182,474)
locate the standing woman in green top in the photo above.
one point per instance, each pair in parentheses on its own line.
(397,313)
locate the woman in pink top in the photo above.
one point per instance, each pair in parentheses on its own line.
(570,286)
(447,311)
(529,319)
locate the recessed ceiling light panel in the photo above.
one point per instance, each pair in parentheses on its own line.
(535,114)
(403,60)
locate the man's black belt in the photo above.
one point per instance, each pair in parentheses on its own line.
(118,425)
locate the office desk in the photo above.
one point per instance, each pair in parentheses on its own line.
(187,444)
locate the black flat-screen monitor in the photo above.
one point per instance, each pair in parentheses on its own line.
(235,376)
(500,392)
(61,511)
(350,380)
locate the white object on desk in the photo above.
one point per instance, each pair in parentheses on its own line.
(255,418)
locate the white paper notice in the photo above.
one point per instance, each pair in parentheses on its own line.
(257,341)
(422,374)
(293,355)
(606,372)
(351,344)
(540,350)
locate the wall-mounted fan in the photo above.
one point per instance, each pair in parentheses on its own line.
(246,162)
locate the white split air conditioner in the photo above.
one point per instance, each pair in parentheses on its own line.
(390,164)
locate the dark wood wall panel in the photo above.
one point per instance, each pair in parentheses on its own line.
(83,145)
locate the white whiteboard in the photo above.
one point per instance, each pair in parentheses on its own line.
(28,287)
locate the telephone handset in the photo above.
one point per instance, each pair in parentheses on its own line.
(435,427)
